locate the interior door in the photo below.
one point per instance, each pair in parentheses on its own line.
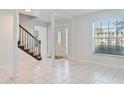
(60,42)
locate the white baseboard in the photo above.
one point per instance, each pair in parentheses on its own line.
(93,62)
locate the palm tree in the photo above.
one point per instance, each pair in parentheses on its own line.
(98,30)
(113,33)
(105,33)
(122,33)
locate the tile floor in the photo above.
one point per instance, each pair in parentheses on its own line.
(62,71)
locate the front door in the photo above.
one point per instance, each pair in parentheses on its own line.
(61,38)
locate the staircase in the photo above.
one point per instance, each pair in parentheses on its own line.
(29,44)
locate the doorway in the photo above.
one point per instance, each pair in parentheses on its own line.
(42,35)
(61,42)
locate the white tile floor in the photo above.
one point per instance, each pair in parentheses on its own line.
(62,71)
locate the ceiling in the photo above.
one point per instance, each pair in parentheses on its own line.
(45,14)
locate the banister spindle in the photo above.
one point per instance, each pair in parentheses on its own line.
(39,48)
(22,35)
(36,47)
(32,44)
(27,41)
(19,35)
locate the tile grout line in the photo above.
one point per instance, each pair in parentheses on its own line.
(102,74)
(114,76)
(7,75)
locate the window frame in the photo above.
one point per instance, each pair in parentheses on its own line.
(94,45)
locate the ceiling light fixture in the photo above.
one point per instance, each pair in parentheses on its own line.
(27,10)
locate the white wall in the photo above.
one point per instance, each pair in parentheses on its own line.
(82,39)
(6,38)
(30,23)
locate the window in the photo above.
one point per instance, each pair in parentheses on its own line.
(109,36)
(59,37)
(66,49)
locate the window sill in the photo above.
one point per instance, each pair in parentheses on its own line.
(108,55)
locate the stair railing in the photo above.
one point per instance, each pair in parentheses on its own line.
(29,41)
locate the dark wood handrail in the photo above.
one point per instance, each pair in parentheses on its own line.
(29,33)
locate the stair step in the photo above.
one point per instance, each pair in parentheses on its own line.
(39,57)
(30,51)
(27,49)
(21,45)
(35,54)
